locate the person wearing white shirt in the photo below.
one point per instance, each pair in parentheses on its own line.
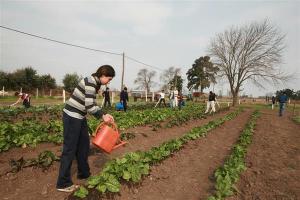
(162,98)
(175,102)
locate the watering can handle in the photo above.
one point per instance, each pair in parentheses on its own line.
(114,126)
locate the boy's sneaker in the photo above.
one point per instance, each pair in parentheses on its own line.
(70,189)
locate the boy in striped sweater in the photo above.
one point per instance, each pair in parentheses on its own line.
(76,138)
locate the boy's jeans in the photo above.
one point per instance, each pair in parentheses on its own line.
(281,108)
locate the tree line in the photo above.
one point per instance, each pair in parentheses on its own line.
(28,79)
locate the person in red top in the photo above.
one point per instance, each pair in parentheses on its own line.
(180,100)
(22,97)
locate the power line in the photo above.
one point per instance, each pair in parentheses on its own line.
(78,46)
(135,60)
(65,43)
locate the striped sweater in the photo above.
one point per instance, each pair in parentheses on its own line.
(83,99)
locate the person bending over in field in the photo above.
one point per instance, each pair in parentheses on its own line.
(76,137)
(22,97)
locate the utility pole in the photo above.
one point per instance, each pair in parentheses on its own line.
(123,66)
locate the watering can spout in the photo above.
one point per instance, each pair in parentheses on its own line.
(107,137)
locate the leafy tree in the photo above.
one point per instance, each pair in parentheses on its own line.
(202,74)
(26,78)
(250,52)
(3,79)
(144,79)
(46,82)
(70,82)
(177,82)
(290,93)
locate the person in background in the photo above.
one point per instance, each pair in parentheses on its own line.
(22,97)
(282,101)
(124,98)
(75,129)
(175,97)
(211,102)
(162,98)
(273,101)
(180,100)
(171,97)
(106,96)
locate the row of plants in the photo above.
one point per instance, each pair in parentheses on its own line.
(29,133)
(133,166)
(228,174)
(188,114)
(12,114)
(54,111)
(32,132)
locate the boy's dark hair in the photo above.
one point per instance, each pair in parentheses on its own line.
(105,70)
(17,93)
(125,88)
(107,88)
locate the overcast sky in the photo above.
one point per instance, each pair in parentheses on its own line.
(159,33)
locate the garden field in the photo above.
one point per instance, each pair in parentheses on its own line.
(245,152)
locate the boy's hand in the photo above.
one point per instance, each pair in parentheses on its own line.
(108,118)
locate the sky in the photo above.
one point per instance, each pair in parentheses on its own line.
(159,33)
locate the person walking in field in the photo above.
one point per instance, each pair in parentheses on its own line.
(175,97)
(124,98)
(24,97)
(106,96)
(211,102)
(282,102)
(162,98)
(75,129)
(273,102)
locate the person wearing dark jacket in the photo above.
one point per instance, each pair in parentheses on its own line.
(211,102)
(75,129)
(124,98)
(106,96)
(273,102)
(282,101)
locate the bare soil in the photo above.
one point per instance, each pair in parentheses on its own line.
(273,160)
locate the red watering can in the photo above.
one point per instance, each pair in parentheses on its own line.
(107,138)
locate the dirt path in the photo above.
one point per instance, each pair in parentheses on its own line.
(32,183)
(273,160)
(186,175)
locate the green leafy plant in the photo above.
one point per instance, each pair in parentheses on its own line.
(228,174)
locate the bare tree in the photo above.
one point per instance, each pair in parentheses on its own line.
(168,75)
(251,52)
(145,79)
